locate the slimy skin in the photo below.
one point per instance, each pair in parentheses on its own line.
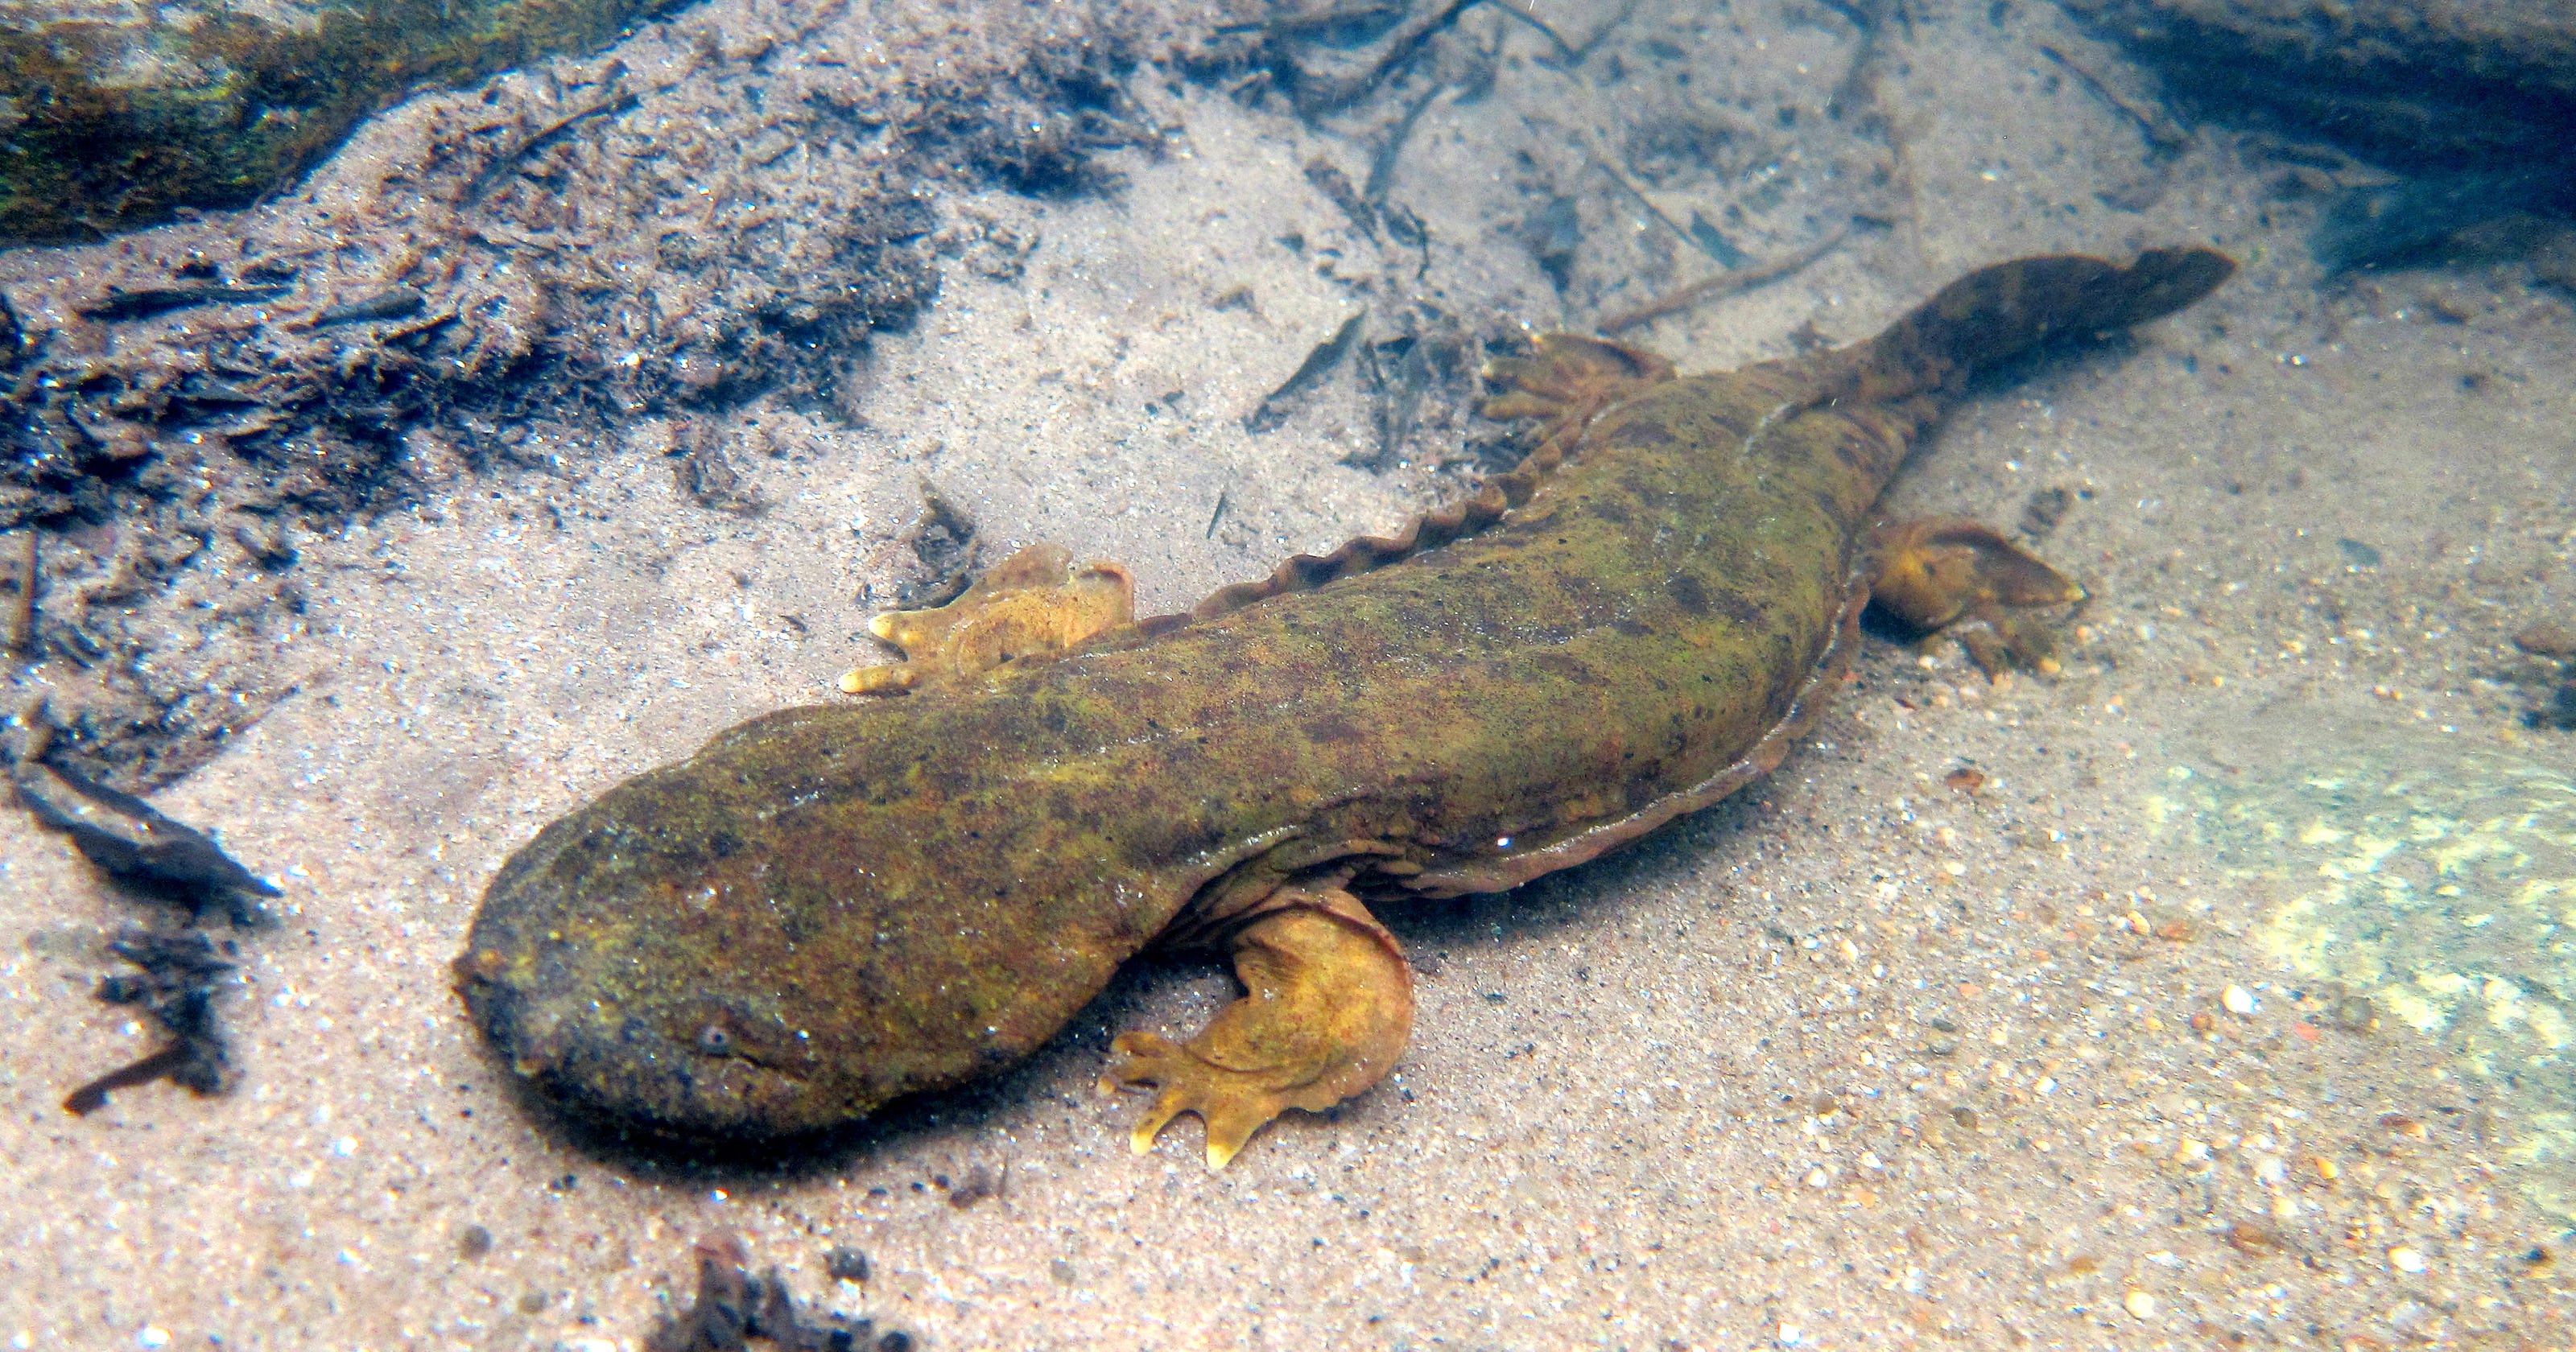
(831,907)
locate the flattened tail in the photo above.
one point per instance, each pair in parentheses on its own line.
(2001,311)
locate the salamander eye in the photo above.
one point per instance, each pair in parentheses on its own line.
(714,1039)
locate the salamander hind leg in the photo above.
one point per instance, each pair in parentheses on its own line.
(1567,378)
(1036,602)
(1326,1010)
(1963,579)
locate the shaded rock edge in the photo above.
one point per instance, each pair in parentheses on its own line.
(721,208)
(2419,85)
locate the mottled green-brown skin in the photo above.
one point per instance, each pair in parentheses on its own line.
(829,907)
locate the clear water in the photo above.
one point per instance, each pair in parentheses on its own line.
(2215,991)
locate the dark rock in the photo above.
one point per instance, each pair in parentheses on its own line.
(122,115)
(2417,84)
(2428,218)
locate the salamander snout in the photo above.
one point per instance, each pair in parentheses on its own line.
(687,1061)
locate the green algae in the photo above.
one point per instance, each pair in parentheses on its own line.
(113,126)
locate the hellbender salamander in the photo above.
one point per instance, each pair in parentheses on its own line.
(829,907)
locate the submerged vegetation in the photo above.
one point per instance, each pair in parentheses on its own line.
(107,126)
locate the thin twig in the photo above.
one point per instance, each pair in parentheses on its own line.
(1723,284)
(1600,158)
(2161,131)
(1325,96)
(507,160)
(91,1097)
(1381,174)
(22,623)
(1563,48)
(1868,20)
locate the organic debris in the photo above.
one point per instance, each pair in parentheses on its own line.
(254,370)
(1272,411)
(1739,279)
(148,852)
(140,846)
(943,541)
(734,1307)
(156,300)
(979,1183)
(2045,508)
(176,985)
(401,302)
(701,470)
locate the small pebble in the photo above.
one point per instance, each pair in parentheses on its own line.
(2238,1000)
(1817,1177)
(2139,1304)
(2253,1237)
(153,1335)
(2406,1260)
(845,1264)
(2547,639)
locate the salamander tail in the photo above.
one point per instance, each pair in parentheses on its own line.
(2001,311)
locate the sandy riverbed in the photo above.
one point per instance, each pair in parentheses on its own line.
(1856,1059)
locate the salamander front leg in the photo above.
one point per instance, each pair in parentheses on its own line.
(1951,576)
(1326,1010)
(1035,603)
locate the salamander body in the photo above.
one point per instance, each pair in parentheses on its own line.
(830,907)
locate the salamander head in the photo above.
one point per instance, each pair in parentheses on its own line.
(616,1033)
(663,961)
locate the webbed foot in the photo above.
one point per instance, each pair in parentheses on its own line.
(1326,1010)
(1036,601)
(1568,378)
(1957,577)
